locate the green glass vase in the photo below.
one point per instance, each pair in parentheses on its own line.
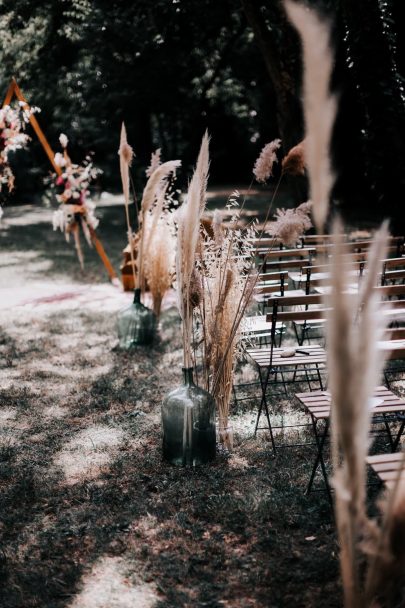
(136,324)
(188,420)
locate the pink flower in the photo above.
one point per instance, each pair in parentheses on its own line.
(59,180)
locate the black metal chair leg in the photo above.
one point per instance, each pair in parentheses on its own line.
(320,442)
(399,435)
(319,376)
(266,410)
(307,378)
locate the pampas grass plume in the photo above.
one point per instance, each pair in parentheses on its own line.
(263,168)
(319,104)
(355,325)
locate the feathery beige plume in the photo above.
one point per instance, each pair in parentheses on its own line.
(263,167)
(354,327)
(159,263)
(151,193)
(125,153)
(160,174)
(291,224)
(319,104)
(188,218)
(217,228)
(155,162)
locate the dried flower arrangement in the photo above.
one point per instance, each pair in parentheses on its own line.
(222,288)
(155,241)
(215,283)
(76,209)
(372,558)
(12,137)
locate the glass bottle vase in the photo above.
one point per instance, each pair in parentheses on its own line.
(136,324)
(188,420)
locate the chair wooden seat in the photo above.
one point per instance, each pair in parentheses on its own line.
(318,403)
(387,467)
(388,409)
(261,356)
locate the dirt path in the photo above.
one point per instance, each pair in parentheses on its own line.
(90,516)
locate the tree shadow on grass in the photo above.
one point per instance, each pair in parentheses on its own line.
(229,534)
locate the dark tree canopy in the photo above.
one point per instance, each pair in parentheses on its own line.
(169,69)
(172,68)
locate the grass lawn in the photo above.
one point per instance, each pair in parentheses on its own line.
(90,515)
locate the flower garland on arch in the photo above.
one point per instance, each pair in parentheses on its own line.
(12,137)
(76,209)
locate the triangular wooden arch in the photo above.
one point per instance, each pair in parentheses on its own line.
(15,91)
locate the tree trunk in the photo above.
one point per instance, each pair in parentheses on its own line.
(280,50)
(371,64)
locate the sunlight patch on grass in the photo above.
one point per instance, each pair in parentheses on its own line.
(8,413)
(88,452)
(53,370)
(55,411)
(108,586)
(238,462)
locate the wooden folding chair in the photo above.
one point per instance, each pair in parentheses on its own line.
(388,410)
(271,362)
(388,467)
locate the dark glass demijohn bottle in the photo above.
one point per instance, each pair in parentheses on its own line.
(136,324)
(188,419)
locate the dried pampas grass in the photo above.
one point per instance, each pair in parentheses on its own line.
(188,226)
(263,168)
(354,327)
(385,581)
(319,104)
(291,224)
(155,162)
(228,283)
(126,155)
(153,194)
(160,263)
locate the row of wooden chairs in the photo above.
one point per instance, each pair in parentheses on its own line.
(273,362)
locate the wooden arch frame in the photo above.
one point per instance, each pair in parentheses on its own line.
(15,91)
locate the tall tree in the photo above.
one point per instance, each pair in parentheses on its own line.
(368,146)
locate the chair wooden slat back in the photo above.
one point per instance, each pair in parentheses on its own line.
(277,313)
(282,254)
(272,282)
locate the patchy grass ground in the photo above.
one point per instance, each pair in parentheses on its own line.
(91,516)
